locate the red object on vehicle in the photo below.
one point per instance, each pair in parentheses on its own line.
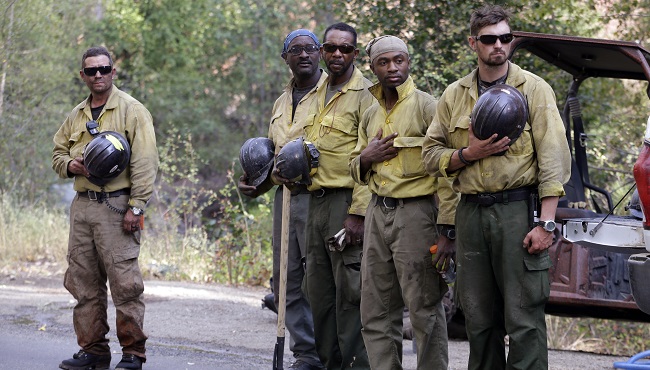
(642,178)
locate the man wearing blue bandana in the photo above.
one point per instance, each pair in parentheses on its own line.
(301,53)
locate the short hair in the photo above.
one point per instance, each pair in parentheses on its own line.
(486,16)
(342,27)
(96,51)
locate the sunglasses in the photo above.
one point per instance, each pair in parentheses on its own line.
(92,71)
(345,48)
(309,49)
(506,38)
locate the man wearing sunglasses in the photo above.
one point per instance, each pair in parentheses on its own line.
(290,111)
(333,276)
(104,241)
(502,282)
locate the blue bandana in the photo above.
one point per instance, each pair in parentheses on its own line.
(297,33)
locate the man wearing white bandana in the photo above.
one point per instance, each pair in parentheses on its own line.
(400,222)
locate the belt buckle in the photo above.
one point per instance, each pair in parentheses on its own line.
(92,195)
(383,200)
(319,193)
(487,199)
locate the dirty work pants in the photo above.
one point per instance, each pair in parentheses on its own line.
(396,270)
(333,280)
(298,320)
(99,249)
(501,287)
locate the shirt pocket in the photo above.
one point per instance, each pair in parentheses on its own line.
(336,135)
(410,155)
(279,135)
(459,131)
(76,147)
(523,145)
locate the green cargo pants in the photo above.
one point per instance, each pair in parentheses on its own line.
(396,270)
(333,284)
(502,288)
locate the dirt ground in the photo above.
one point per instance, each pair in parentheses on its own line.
(190,326)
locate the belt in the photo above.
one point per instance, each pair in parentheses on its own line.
(488,199)
(94,195)
(392,203)
(319,193)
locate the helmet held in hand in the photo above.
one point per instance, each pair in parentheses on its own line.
(256,158)
(297,161)
(106,156)
(501,110)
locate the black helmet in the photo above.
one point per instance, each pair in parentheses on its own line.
(256,159)
(296,161)
(106,156)
(502,110)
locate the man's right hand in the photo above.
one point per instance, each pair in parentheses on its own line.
(76,167)
(479,149)
(246,189)
(378,150)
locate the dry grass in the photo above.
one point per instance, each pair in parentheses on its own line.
(620,338)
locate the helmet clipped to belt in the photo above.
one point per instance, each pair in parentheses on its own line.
(106,156)
(256,159)
(297,161)
(502,110)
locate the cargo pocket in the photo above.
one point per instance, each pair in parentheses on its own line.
(433,286)
(126,282)
(352,280)
(535,288)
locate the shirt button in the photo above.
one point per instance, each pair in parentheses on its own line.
(320,120)
(387,121)
(385,163)
(383,183)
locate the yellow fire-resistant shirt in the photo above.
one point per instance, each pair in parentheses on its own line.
(122,114)
(333,128)
(403,176)
(540,157)
(283,127)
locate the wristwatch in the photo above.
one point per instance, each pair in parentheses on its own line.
(547,225)
(448,231)
(137,211)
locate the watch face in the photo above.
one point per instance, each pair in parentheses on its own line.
(451,234)
(549,225)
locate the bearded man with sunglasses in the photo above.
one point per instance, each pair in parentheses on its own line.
(502,282)
(336,203)
(105,221)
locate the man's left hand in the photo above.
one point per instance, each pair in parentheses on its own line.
(353,225)
(131,222)
(538,240)
(446,251)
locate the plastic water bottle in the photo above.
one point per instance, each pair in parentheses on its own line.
(449,272)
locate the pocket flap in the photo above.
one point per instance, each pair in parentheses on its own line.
(125,254)
(538,262)
(408,142)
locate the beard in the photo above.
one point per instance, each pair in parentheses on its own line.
(495,60)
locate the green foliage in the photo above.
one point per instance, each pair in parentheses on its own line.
(39,60)
(243,251)
(198,233)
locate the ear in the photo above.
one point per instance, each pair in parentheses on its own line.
(472,42)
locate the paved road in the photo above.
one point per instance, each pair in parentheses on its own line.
(190,326)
